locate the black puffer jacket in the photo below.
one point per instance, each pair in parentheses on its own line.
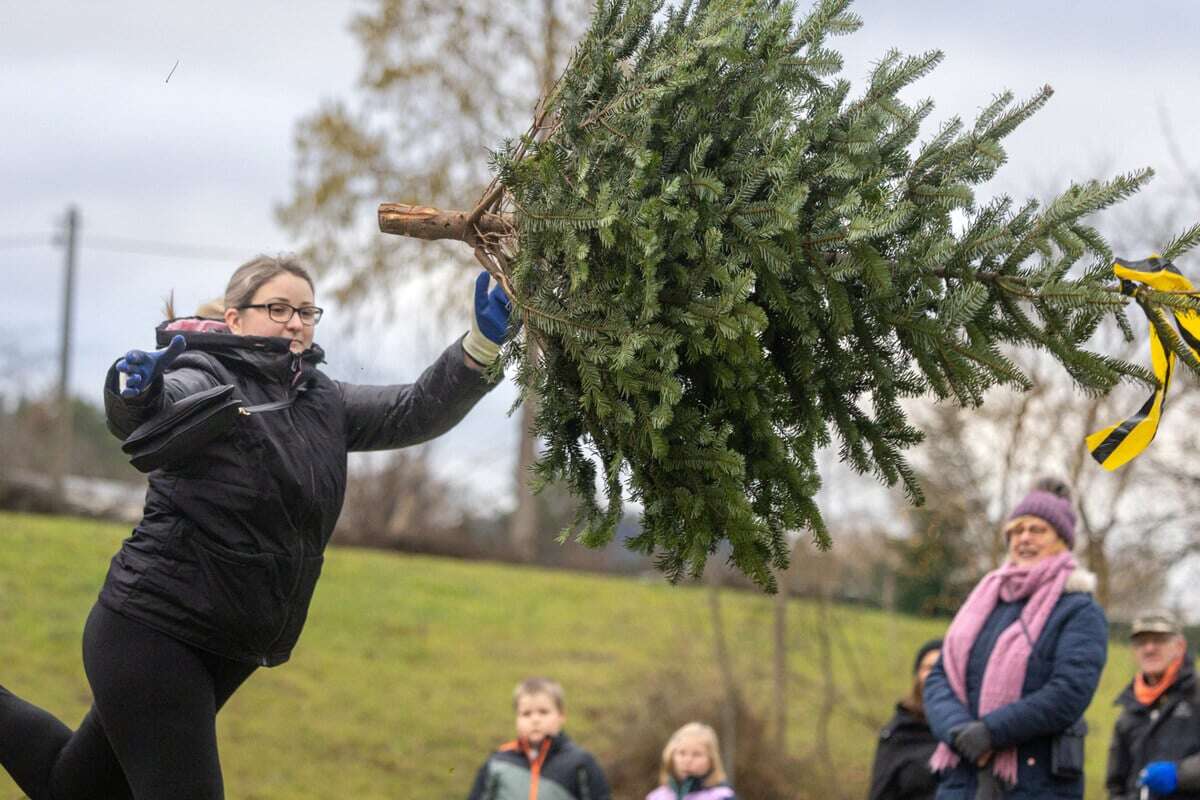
(901,770)
(230,545)
(1168,730)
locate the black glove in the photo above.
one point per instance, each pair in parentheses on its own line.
(988,786)
(972,740)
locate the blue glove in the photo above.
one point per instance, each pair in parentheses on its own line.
(145,368)
(1160,777)
(491,309)
(489,324)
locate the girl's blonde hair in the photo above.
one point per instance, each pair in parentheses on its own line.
(700,731)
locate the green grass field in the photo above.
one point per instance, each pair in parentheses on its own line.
(401,683)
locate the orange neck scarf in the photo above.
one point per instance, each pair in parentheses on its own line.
(1148,695)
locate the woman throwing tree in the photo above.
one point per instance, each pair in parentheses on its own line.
(216,579)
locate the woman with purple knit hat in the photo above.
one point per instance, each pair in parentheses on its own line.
(1019,665)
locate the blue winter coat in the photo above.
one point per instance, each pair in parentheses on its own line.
(1064,669)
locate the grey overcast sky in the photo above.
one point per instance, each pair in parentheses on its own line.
(91,120)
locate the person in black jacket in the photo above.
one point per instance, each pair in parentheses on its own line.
(542,763)
(1156,741)
(216,579)
(901,770)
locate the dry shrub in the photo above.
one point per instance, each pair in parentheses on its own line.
(399,503)
(671,698)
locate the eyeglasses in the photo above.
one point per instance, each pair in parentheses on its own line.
(1034,528)
(283,312)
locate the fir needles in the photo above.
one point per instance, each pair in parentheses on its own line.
(725,262)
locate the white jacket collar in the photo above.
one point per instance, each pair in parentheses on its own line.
(1081,580)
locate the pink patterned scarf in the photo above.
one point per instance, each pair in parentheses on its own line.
(1004,674)
(198,325)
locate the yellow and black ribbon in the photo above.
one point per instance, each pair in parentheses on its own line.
(1119,444)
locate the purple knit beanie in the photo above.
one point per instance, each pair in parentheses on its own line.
(1050,499)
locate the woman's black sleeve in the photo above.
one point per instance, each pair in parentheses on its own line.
(386,417)
(123,414)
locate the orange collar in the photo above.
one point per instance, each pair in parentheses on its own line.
(535,763)
(1148,695)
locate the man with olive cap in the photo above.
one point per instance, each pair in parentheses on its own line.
(1155,750)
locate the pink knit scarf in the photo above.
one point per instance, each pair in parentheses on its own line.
(1004,674)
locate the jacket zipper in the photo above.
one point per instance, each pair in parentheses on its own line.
(264,660)
(535,770)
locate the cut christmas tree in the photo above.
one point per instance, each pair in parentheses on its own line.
(724,262)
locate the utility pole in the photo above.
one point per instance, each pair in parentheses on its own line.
(65,433)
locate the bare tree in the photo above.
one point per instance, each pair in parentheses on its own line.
(987,460)
(428,95)
(780,649)
(732,700)
(1133,522)
(402,504)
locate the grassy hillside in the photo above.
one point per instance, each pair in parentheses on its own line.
(401,683)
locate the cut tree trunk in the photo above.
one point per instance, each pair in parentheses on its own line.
(423,222)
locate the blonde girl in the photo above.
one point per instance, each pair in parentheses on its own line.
(691,767)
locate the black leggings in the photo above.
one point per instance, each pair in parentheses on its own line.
(150,734)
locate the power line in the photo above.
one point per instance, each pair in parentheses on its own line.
(120,244)
(26,240)
(114,244)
